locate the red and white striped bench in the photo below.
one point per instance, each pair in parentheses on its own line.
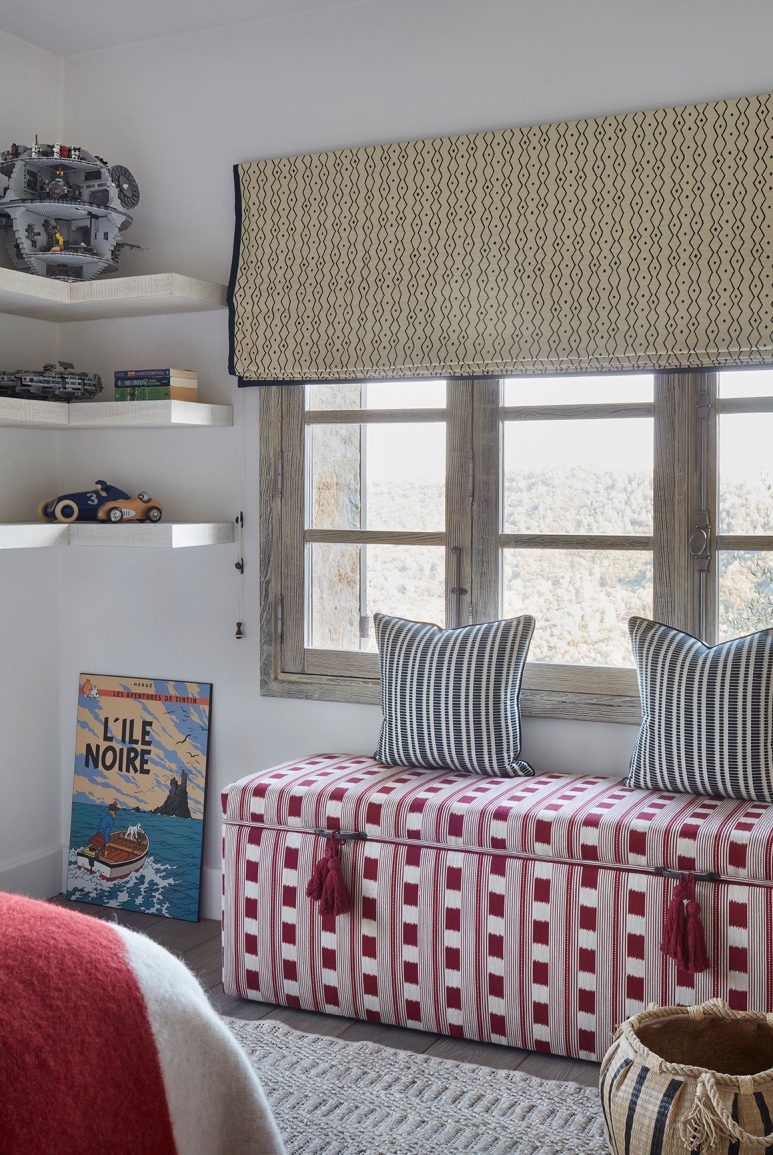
(526,911)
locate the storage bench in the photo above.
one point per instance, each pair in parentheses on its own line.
(525,911)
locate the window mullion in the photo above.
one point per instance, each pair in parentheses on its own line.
(707,498)
(293,555)
(271,481)
(458,566)
(486,456)
(675,480)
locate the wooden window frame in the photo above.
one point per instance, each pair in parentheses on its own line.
(713,407)
(684,483)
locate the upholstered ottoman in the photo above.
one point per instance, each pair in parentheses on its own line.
(527,911)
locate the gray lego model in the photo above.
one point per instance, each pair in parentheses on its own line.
(50,383)
(63,210)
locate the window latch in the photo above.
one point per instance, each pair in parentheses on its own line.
(699,543)
(704,402)
(457,590)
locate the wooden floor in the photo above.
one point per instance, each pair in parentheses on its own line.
(198,944)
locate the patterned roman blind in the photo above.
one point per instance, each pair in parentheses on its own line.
(626,242)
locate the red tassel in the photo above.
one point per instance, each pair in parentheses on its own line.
(695,938)
(335,897)
(327,885)
(316,883)
(673,942)
(684,939)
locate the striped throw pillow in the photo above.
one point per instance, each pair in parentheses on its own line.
(707,713)
(450,697)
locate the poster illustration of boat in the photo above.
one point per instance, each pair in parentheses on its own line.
(138,794)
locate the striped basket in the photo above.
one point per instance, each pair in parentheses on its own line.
(657,1102)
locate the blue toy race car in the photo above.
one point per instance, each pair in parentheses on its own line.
(102,503)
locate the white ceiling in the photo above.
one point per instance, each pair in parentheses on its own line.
(78,26)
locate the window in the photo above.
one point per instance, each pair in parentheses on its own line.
(582,500)
(740,586)
(576,537)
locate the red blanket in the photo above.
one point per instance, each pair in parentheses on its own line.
(106,1040)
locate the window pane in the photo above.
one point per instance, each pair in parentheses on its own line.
(745,473)
(582,600)
(377,395)
(745,593)
(579,390)
(379,477)
(346,581)
(746,383)
(578,476)
(345,395)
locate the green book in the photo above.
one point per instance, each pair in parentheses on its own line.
(152,393)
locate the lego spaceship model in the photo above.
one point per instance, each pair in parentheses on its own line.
(64,210)
(60,382)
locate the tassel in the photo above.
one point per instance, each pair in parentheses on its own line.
(335,897)
(700,1126)
(673,942)
(327,885)
(695,938)
(316,883)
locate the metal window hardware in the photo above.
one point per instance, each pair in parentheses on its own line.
(699,543)
(280,627)
(239,566)
(239,521)
(457,590)
(704,400)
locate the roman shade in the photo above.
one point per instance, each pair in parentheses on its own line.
(626,242)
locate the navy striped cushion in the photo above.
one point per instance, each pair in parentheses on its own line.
(707,713)
(450,697)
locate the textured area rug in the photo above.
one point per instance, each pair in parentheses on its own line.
(335,1098)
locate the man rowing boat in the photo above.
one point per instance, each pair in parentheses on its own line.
(100,840)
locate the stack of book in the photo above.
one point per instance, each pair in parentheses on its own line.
(156,385)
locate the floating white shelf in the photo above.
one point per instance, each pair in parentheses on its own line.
(35,535)
(52,300)
(164,535)
(18,412)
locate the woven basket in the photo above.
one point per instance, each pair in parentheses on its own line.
(683,1080)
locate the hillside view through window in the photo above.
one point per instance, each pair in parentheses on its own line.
(568,476)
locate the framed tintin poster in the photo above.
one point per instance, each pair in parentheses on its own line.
(138,794)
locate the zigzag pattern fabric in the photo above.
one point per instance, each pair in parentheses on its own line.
(707,713)
(451,697)
(626,242)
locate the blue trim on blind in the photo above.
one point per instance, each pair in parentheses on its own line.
(246,383)
(243,383)
(232,277)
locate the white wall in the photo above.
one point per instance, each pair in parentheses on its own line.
(179,112)
(30,773)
